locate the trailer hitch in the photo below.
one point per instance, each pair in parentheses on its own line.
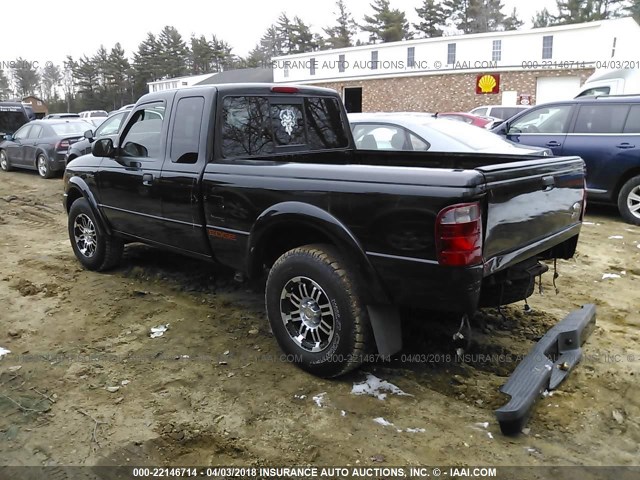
(545,367)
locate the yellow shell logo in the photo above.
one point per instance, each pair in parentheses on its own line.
(487,83)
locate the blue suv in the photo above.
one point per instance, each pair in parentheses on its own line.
(604,131)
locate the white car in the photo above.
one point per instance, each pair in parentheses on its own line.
(501,112)
(410,131)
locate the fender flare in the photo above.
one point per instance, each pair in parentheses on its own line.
(321,220)
(79,184)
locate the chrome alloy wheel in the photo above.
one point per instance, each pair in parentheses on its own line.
(4,163)
(85,236)
(307,314)
(633,201)
(42,165)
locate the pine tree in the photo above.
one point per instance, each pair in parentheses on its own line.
(270,45)
(485,16)
(202,55)
(341,34)
(51,78)
(542,19)
(634,10)
(174,54)
(302,40)
(147,64)
(433,16)
(386,25)
(25,77)
(116,72)
(513,22)
(223,59)
(4,86)
(459,14)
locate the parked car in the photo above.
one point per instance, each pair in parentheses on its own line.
(53,116)
(501,112)
(41,145)
(425,132)
(604,131)
(109,128)
(265,179)
(12,116)
(478,121)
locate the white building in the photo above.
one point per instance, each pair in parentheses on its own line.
(541,65)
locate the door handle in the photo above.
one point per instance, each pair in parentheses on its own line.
(548,183)
(553,143)
(625,145)
(147,179)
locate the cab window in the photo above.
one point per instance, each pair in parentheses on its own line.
(143,139)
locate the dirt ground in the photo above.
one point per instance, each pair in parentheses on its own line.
(85,384)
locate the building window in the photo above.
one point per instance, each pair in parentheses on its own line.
(496,51)
(312,66)
(286,69)
(341,63)
(613,47)
(411,56)
(451,54)
(547,46)
(374,60)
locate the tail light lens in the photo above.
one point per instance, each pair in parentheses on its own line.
(63,145)
(459,235)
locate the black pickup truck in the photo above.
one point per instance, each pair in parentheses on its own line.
(265,179)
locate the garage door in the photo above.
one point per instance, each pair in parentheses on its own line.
(550,89)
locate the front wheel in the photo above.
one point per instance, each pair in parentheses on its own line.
(4,162)
(95,249)
(43,166)
(629,201)
(315,311)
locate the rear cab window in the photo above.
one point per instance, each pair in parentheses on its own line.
(254,125)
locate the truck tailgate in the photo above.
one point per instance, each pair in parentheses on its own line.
(531,205)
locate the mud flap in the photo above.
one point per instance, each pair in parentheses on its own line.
(545,367)
(387,330)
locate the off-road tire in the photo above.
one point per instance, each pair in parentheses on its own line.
(352,337)
(629,198)
(107,250)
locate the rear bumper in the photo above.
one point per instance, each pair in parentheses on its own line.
(58,161)
(545,367)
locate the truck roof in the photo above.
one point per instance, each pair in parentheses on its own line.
(237,88)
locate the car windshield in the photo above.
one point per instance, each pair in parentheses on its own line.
(473,137)
(11,121)
(71,128)
(98,113)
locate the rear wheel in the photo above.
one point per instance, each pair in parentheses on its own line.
(4,162)
(95,249)
(315,311)
(629,201)
(43,166)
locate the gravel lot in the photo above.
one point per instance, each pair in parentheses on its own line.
(85,384)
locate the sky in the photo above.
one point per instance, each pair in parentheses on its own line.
(74,27)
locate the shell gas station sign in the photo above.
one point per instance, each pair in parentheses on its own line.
(488,83)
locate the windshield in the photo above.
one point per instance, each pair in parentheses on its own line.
(11,121)
(71,128)
(475,138)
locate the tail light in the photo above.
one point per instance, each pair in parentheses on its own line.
(63,145)
(459,235)
(285,89)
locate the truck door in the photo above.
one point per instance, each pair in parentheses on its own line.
(129,182)
(543,126)
(180,177)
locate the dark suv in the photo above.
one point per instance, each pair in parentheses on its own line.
(604,131)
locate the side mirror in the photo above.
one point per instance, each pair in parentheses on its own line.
(103,148)
(8,137)
(89,135)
